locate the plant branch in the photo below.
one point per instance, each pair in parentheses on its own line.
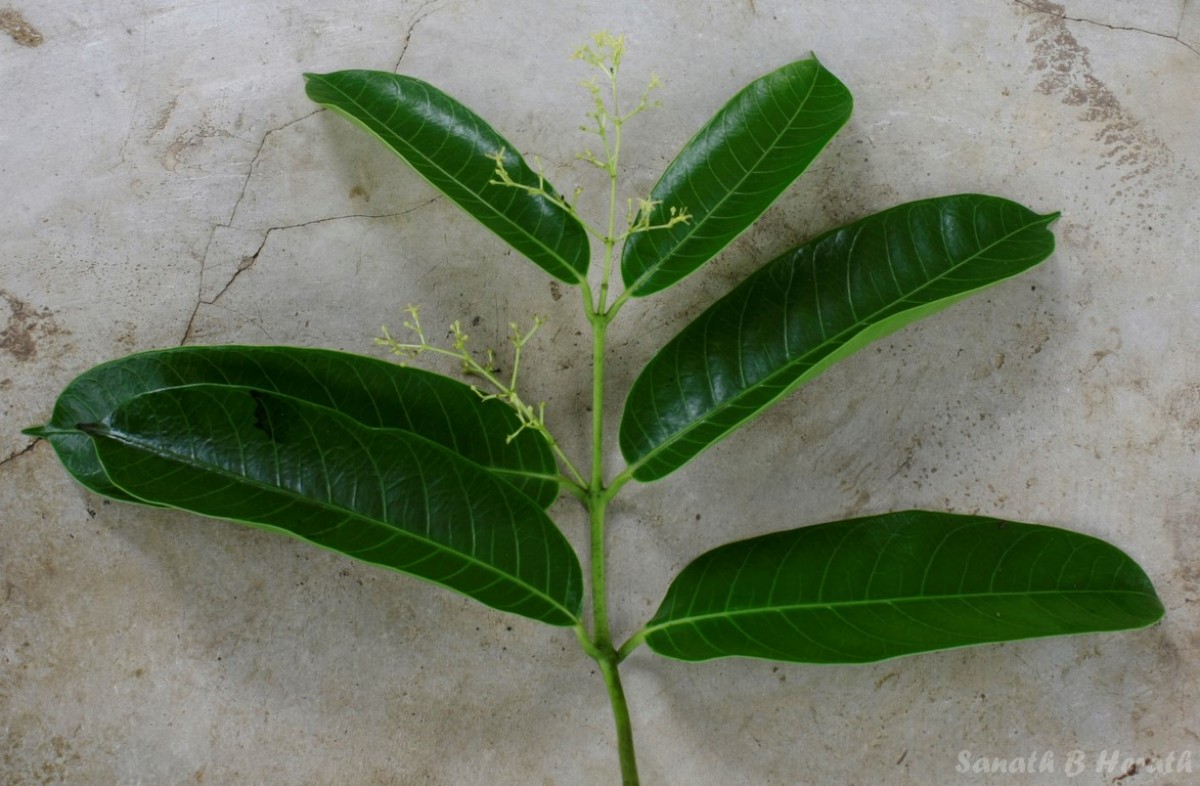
(635,641)
(530,418)
(606,124)
(501,177)
(616,694)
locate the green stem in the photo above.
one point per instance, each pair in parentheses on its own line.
(616,695)
(601,636)
(598,496)
(628,647)
(599,646)
(597,504)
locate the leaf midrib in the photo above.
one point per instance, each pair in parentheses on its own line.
(97,411)
(835,605)
(328,507)
(517,472)
(801,359)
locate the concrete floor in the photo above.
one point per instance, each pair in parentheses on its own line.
(166,182)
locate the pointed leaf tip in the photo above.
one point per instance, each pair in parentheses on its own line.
(733,169)
(374,392)
(814,305)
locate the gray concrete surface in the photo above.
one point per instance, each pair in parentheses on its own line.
(165,181)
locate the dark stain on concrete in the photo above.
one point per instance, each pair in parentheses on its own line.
(1066,73)
(18,29)
(25,324)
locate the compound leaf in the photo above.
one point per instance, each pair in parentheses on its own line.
(879,587)
(453,148)
(384,496)
(374,392)
(733,169)
(813,306)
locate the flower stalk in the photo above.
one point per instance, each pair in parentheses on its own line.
(592,490)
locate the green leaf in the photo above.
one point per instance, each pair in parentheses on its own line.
(454,149)
(733,169)
(373,392)
(813,306)
(383,496)
(874,588)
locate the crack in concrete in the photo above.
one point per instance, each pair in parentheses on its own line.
(17,454)
(1066,73)
(1182,15)
(418,17)
(1060,12)
(424,10)
(248,262)
(254,162)
(228,223)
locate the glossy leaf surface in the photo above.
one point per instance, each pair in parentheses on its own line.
(874,588)
(734,168)
(453,148)
(383,496)
(373,392)
(814,305)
